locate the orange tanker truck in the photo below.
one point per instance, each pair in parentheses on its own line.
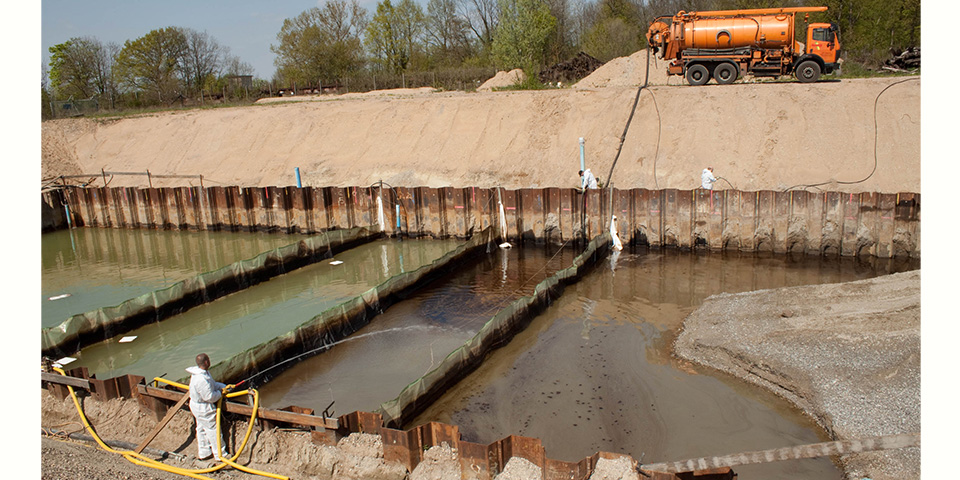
(727,43)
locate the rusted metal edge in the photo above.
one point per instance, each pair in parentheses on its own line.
(406,447)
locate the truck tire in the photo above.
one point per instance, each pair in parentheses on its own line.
(697,74)
(808,71)
(726,73)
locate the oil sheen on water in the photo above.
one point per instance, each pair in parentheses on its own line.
(412,337)
(594,372)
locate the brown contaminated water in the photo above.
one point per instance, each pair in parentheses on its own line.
(594,372)
(84,269)
(244,319)
(413,336)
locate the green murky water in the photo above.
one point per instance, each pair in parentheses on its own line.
(236,322)
(98,267)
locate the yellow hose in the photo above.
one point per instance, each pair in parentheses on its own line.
(141,460)
(253,416)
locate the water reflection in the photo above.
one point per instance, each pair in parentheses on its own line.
(594,372)
(413,337)
(257,314)
(88,268)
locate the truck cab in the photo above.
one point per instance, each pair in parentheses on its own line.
(823,43)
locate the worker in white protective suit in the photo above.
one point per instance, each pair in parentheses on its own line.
(587,180)
(204,394)
(707,179)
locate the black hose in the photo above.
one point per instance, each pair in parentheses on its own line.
(876,134)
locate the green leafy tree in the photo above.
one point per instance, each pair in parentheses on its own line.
(81,68)
(394,34)
(521,38)
(154,64)
(322,43)
(870,30)
(617,32)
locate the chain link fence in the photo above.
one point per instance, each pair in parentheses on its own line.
(73,108)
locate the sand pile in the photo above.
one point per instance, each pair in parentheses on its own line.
(629,72)
(502,79)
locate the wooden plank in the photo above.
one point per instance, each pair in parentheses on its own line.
(64,380)
(233,407)
(163,423)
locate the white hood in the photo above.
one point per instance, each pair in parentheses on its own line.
(195,370)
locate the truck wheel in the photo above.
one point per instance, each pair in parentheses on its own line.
(726,73)
(808,71)
(697,74)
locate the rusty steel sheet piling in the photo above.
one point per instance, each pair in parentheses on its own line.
(406,447)
(882,225)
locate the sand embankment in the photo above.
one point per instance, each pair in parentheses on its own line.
(756,136)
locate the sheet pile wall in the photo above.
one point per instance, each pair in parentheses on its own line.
(818,223)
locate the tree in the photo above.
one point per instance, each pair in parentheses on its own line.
(45,96)
(522,35)
(203,59)
(446,32)
(482,17)
(154,63)
(394,34)
(617,32)
(870,30)
(321,43)
(81,68)
(561,46)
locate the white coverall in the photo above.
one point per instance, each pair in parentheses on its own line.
(204,393)
(707,179)
(588,180)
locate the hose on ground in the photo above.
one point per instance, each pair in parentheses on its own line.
(876,135)
(142,460)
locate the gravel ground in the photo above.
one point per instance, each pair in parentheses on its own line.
(846,354)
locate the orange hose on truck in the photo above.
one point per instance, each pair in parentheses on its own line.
(726,44)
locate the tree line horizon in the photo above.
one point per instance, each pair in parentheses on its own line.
(450,44)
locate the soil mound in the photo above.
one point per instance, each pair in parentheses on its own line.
(502,79)
(629,71)
(571,70)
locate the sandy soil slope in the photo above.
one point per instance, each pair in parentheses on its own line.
(756,136)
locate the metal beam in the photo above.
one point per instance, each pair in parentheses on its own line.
(843,447)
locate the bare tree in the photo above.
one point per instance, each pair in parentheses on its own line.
(447,32)
(482,18)
(203,59)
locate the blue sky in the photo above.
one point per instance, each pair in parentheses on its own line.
(246,27)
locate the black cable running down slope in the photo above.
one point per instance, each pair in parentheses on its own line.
(626,127)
